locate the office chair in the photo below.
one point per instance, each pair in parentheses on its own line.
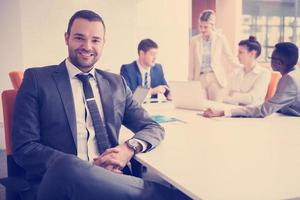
(17,188)
(275,76)
(16,78)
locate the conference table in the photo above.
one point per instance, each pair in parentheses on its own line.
(226,158)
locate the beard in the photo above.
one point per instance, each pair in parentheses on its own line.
(77,58)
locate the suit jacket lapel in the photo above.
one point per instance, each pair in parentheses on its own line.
(213,48)
(62,80)
(152,76)
(199,54)
(106,100)
(139,75)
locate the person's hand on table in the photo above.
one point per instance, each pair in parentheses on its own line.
(161,89)
(213,113)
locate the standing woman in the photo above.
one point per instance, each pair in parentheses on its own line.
(248,85)
(211,59)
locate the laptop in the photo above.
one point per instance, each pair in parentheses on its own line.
(188,95)
(140,94)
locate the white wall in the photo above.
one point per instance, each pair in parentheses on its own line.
(229,16)
(43,30)
(127,22)
(167,22)
(10,48)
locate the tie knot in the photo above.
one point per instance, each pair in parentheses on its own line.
(84,77)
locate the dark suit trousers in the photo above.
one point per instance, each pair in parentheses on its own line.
(68,177)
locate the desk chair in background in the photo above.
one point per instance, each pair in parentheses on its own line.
(16,78)
(16,186)
(275,76)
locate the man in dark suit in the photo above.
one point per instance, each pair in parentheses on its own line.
(67,119)
(145,72)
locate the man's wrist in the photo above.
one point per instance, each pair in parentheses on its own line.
(135,145)
(153,91)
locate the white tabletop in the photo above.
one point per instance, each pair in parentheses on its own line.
(228,158)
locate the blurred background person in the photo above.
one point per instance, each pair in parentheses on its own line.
(248,85)
(287,95)
(146,72)
(211,59)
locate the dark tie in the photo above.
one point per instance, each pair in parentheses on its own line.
(99,126)
(146,83)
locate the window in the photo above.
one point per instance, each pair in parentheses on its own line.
(271,21)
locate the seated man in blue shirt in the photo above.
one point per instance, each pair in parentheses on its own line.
(287,96)
(145,72)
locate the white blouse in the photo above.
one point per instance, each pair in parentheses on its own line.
(248,88)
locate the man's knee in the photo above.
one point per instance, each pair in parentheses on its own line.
(65,169)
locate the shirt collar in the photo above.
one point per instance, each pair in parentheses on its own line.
(73,71)
(142,70)
(256,69)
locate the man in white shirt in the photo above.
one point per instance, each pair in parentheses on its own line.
(67,119)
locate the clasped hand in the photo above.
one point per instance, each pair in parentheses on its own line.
(115,159)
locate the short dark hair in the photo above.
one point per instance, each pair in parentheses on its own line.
(289,52)
(146,44)
(252,44)
(85,14)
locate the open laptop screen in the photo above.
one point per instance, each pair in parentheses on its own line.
(140,94)
(187,94)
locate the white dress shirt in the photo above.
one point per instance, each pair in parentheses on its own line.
(286,99)
(143,72)
(222,61)
(86,141)
(248,88)
(206,56)
(87,148)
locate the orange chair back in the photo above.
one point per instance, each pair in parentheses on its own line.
(16,78)
(8,101)
(275,76)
